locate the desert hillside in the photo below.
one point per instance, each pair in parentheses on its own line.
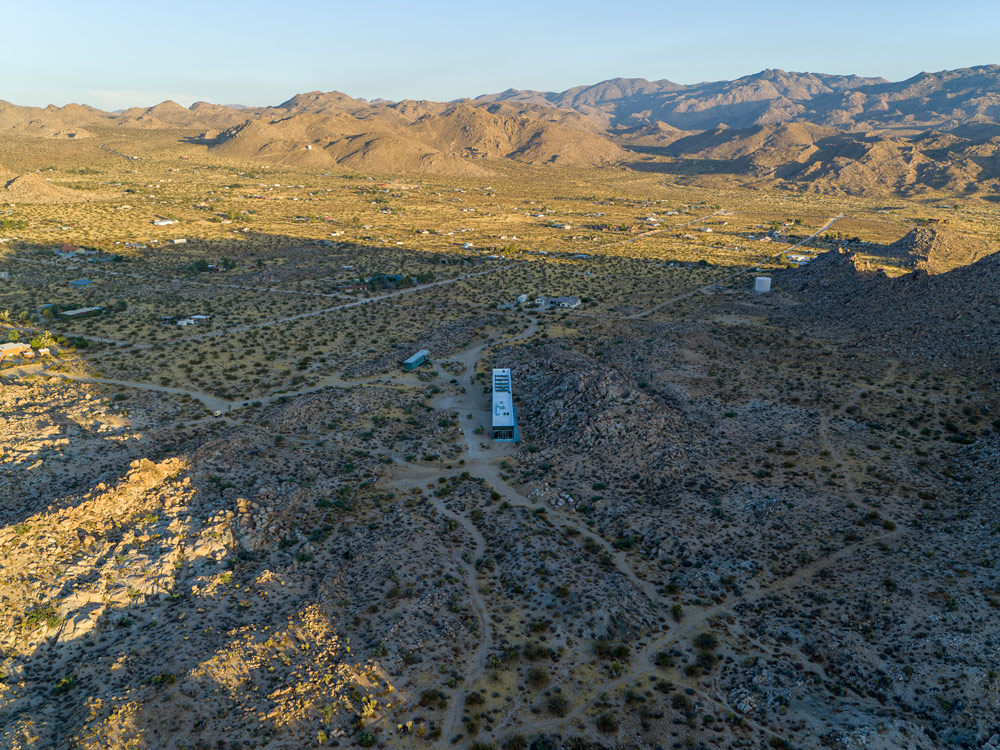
(932,133)
(448,142)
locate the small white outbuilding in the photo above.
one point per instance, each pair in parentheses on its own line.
(762,284)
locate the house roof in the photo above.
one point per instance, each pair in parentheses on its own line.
(79,311)
(503,399)
(416,357)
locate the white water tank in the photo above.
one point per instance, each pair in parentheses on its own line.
(762,284)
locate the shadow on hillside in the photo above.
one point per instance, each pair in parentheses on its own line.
(203,140)
(667,164)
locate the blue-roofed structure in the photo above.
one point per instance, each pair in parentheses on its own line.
(412,363)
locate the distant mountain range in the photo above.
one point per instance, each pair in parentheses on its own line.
(844,133)
(943,100)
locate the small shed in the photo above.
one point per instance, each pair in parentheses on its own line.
(412,363)
(762,284)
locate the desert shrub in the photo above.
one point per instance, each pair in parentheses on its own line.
(433,699)
(611,650)
(538,678)
(535,651)
(706,642)
(663,659)
(557,704)
(606,722)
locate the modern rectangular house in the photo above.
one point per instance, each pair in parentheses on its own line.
(416,360)
(504,413)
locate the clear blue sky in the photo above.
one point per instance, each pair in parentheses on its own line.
(113,53)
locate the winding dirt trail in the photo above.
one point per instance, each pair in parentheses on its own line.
(477,661)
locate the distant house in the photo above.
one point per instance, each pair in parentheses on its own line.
(200,318)
(185,322)
(81,282)
(178,241)
(522,298)
(566,302)
(82,312)
(44,352)
(13,350)
(163,222)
